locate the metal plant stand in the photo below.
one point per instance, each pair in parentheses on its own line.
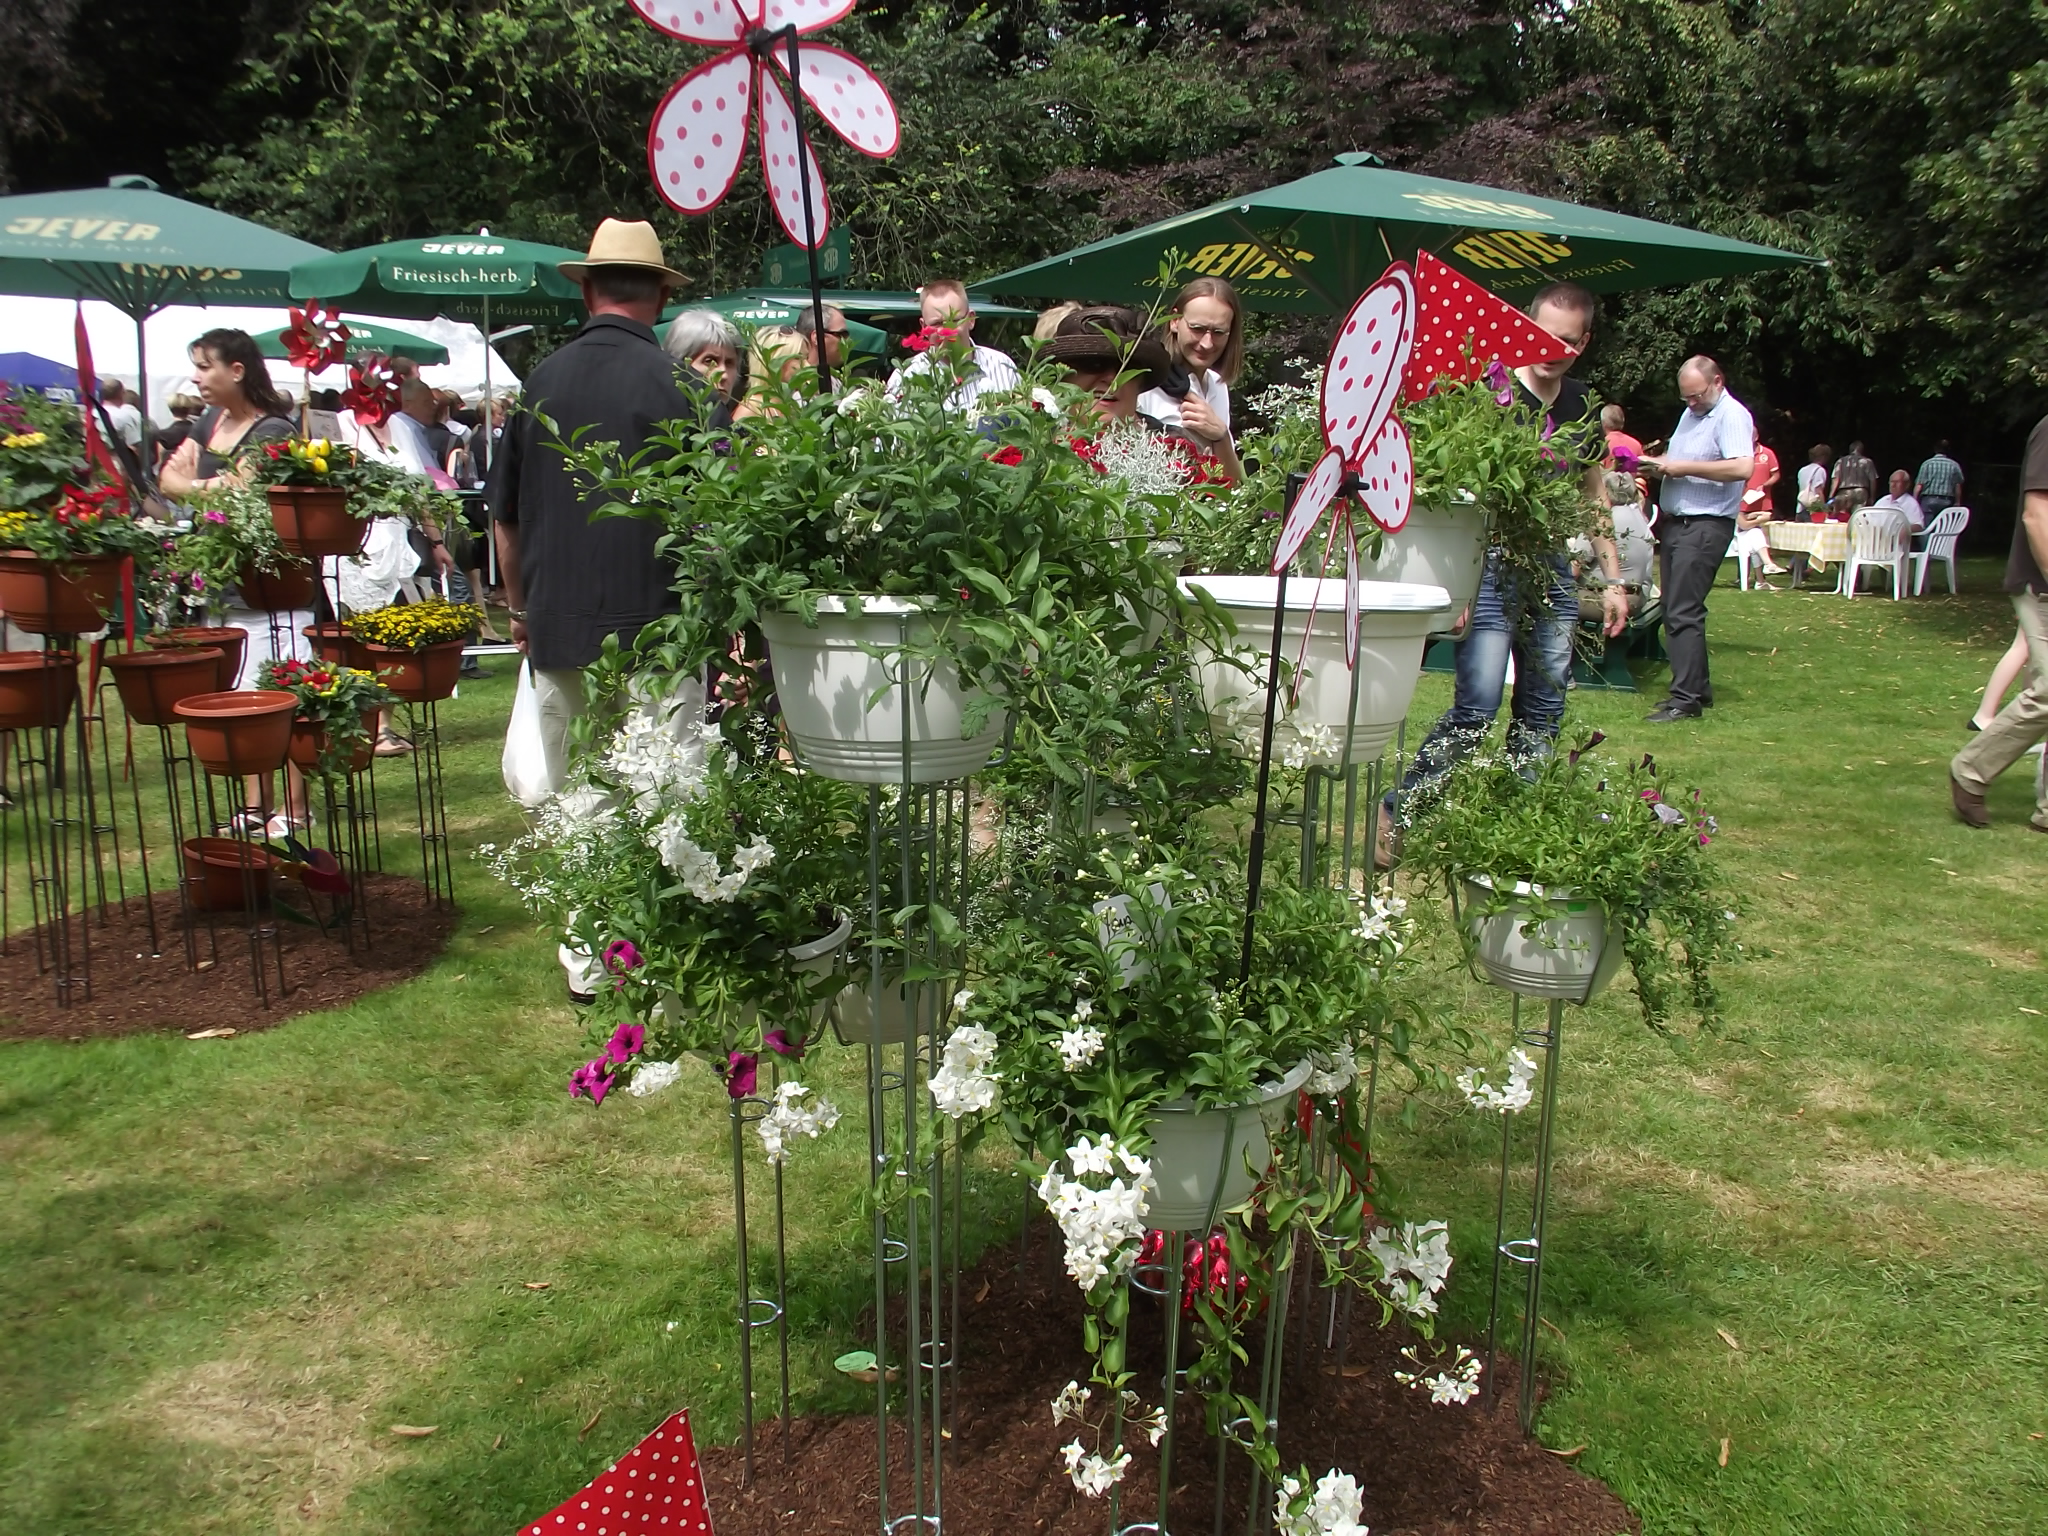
(1526,1252)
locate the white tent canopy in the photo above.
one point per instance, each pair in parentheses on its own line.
(44,327)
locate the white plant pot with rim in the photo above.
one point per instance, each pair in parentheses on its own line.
(854,1013)
(1395,620)
(1441,545)
(1204,1161)
(1548,944)
(827,680)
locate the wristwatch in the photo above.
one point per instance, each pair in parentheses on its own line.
(516,613)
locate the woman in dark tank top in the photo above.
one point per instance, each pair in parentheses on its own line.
(243,408)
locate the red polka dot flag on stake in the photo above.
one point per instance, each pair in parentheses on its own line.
(1454,311)
(655,1489)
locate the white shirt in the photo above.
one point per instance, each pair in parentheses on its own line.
(1165,409)
(1725,432)
(127,420)
(1908,504)
(409,439)
(990,373)
(1813,483)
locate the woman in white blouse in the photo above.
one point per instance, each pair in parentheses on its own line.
(1206,337)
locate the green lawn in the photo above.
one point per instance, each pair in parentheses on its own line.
(228,1267)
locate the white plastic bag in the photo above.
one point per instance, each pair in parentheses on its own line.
(525,763)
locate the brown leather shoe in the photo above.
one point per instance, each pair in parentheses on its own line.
(1969,804)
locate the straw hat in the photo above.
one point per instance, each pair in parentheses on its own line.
(620,243)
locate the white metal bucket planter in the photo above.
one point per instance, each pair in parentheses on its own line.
(1546,944)
(1204,1161)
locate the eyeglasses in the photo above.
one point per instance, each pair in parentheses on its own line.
(839,333)
(1212,332)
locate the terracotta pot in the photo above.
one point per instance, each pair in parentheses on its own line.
(247,731)
(68,597)
(309,741)
(335,645)
(152,682)
(421,677)
(231,643)
(314,520)
(37,688)
(289,591)
(222,873)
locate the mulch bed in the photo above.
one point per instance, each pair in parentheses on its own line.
(1424,1469)
(134,991)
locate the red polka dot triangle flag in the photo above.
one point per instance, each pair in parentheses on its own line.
(1457,315)
(656,1489)
(699,133)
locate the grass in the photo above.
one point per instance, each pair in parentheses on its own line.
(228,1267)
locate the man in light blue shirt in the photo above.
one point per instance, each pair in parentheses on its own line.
(1710,455)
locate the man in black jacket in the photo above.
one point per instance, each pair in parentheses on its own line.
(571,580)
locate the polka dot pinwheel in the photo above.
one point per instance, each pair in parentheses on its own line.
(699,133)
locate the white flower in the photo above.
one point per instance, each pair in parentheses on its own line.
(1508,1100)
(970,1048)
(791,1117)
(1068,1405)
(1332,1074)
(1079,1047)
(963,1085)
(1091,1474)
(1332,1510)
(962,998)
(1306,744)
(1414,1264)
(1086,1157)
(653,1076)
(699,867)
(1102,1227)
(1459,1384)
(1083,1009)
(659,754)
(1382,921)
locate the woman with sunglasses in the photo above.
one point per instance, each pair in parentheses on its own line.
(1206,337)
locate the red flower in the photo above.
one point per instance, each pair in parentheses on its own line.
(1009,454)
(931,336)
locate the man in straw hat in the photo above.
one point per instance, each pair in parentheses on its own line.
(572,580)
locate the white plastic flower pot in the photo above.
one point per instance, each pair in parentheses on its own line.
(1546,944)
(1441,546)
(854,1013)
(817,957)
(1394,621)
(1204,1161)
(845,698)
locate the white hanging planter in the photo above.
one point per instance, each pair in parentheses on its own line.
(827,680)
(854,1013)
(1547,944)
(1441,545)
(815,957)
(1394,621)
(1204,1161)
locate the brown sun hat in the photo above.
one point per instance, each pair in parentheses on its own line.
(1102,335)
(623,243)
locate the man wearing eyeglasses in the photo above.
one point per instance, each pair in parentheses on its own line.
(943,304)
(1711,454)
(836,333)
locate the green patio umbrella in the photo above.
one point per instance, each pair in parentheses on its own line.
(1313,246)
(364,340)
(882,304)
(141,250)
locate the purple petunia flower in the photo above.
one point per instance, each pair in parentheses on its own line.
(626,1043)
(778,1041)
(620,956)
(741,1072)
(593,1079)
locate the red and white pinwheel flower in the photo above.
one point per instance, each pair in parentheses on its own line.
(1365,446)
(372,392)
(699,133)
(316,337)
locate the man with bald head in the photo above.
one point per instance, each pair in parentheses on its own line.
(1711,453)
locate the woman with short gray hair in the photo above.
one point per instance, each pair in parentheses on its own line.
(708,344)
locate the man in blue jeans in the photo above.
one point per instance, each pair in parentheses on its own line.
(1502,620)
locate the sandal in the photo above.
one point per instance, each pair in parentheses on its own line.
(391,744)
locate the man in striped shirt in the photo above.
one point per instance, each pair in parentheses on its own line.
(1939,484)
(943,304)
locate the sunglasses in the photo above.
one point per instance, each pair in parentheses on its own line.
(839,333)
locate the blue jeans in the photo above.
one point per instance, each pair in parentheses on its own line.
(1503,625)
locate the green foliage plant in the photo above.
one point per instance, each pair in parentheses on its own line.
(1578,823)
(332,698)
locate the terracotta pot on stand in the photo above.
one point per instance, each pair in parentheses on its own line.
(287,591)
(152,682)
(309,741)
(425,676)
(37,688)
(314,520)
(62,597)
(333,644)
(232,644)
(237,733)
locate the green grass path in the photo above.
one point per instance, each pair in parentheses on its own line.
(228,1267)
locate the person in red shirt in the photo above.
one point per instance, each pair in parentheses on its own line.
(1614,421)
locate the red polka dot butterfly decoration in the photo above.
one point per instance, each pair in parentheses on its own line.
(1406,330)
(655,1489)
(699,133)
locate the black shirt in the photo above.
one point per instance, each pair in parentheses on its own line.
(1574,402)
(584,578)
(2022,572)
(265,429)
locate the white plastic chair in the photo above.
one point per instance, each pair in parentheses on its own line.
(1877,540)
(1943,534)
